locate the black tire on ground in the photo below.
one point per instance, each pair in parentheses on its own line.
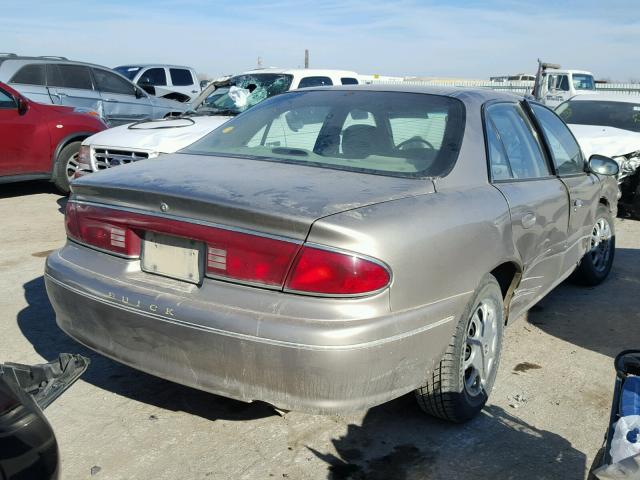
(596,263)
(445,395)
(60,175)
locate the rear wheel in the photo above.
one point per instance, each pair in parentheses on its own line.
(459,387)
(66,166)
(596,263)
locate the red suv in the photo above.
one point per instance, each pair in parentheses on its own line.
(41,141)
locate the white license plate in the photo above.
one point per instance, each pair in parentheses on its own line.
(174,257)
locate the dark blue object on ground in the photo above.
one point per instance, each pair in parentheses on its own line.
(630,397)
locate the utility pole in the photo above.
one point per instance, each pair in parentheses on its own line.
(259,62)
(306,58)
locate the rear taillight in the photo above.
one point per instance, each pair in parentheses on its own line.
(231,254)
(249,258)
(103,228)
(326,272)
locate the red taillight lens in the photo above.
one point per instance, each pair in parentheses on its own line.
(103,228)
(249,258)
(332,273)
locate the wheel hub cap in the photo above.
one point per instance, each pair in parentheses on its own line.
(481,347)
(600,244)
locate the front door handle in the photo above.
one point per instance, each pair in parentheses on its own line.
(528,220)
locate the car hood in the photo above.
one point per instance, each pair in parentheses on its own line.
(167,103)
(277,198)
(161,136)
(608,141)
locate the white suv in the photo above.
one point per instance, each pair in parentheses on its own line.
(218,102)
(168,81)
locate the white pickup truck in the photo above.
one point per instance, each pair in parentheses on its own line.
(554,85)
(219,102)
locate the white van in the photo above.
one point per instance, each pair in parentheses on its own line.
(174,82)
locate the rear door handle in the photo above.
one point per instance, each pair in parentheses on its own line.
(528,220)
(578,203)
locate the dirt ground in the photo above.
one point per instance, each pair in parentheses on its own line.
(546,418)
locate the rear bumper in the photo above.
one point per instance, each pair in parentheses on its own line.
(316,365)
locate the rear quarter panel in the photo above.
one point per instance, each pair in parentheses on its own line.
(437,245)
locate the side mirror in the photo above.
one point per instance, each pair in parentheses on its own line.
(23,105)
(138,93)
(603,165)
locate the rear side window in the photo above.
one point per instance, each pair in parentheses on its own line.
(567,155)
(30,75)
(112,83)
(348,81)
(69,76)
(6,100)
(180,77)
(520,144)
(498,161)
(153,76)
(315,82)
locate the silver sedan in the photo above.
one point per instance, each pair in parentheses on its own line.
(331,249)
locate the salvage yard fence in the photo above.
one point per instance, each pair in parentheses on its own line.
(520,87)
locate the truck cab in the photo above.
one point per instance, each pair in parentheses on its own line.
(559,85)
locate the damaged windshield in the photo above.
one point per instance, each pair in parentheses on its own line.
(242,92)
(623,115)
(388,133)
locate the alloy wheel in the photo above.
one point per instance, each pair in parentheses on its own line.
(481,347)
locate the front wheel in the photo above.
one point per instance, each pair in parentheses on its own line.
(66,166)
(459,387)
(596,263)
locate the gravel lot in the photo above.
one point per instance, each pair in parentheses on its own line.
(546,418)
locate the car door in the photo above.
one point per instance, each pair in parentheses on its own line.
(122,101)
(153,80)
(583,187)
(537,200)
(183,82)
(24,142)
(71,85)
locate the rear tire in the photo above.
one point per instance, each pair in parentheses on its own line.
(596,263)
(65,166)
(460,385)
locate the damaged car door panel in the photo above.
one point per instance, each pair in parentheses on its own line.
(393,231)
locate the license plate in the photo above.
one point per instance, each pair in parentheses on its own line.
(174,257)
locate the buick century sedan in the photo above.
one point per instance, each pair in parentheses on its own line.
(332,249)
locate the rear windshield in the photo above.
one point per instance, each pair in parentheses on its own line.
(607,114)
(389,133)
(128,71)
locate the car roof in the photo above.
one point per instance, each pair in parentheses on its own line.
(303,71)
(146,65)
(47,59)
(469,95)
(606,97)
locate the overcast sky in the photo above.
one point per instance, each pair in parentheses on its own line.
(463,38)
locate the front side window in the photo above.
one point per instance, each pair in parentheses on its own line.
(566,153)
(349,81)
(33,74)
(623,115)
(307,82)
(518,138)
(6,100)
(69,76)
(153,76)
(583,82)
(111,83)
(180,77)
(347,130)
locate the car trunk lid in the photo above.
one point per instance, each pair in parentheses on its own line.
(269,197)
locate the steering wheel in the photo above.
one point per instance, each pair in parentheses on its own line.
(403,145)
